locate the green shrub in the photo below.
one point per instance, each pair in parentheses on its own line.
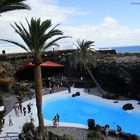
(27,127)
(91,124)
(94,135)
(77,93)
(67,137)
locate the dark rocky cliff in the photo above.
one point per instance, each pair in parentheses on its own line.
(120,74)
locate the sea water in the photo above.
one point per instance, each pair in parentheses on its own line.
(129,49)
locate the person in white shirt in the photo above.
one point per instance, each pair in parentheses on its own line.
(32,118)
(10,120)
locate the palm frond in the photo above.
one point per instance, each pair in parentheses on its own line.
(45,25)
(84,54)
(15,43)
(22,32)
(36,36)
(9,5)
(53,42)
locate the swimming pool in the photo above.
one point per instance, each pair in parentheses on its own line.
(78,110)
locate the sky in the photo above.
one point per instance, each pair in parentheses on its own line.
(110,23)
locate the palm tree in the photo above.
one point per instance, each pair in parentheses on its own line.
(9,5)
(37,38)
(84,57)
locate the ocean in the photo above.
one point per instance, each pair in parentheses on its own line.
(124,49)
(127,49)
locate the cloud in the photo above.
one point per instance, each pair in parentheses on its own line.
(108,33)
(39,8)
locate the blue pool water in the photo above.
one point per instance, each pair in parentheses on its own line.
(79,110)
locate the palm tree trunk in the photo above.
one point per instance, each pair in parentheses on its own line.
(95,81)
(38,88)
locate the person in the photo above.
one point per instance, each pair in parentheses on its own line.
(88,90)
(16,110)
(10,120)
(119,129)
(24,110)
(3,121)
(20,107)
(57,117)
(32,118)
(55,121)
(81,78)
(50,83)
(69,89)
(29,107)
(107,130)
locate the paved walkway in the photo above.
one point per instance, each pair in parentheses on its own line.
(10,98)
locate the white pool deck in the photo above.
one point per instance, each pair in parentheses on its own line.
(19,121)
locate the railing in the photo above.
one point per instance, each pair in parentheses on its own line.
(10,136)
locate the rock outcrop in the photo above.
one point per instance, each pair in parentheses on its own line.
(127,106)
(120,74)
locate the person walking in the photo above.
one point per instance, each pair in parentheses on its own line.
(10,120)
(17,112)
(29,107)
(32,118)
(69,89)
(55,121)
(107,129)
(24,110)
(119,129)
(57,117)
(15,107)
(20,107)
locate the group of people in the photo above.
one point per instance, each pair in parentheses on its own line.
(56,120)
(19,108)
(107,130)
(53,84)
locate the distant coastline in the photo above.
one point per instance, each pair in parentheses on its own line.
(119,49)
(125,49)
